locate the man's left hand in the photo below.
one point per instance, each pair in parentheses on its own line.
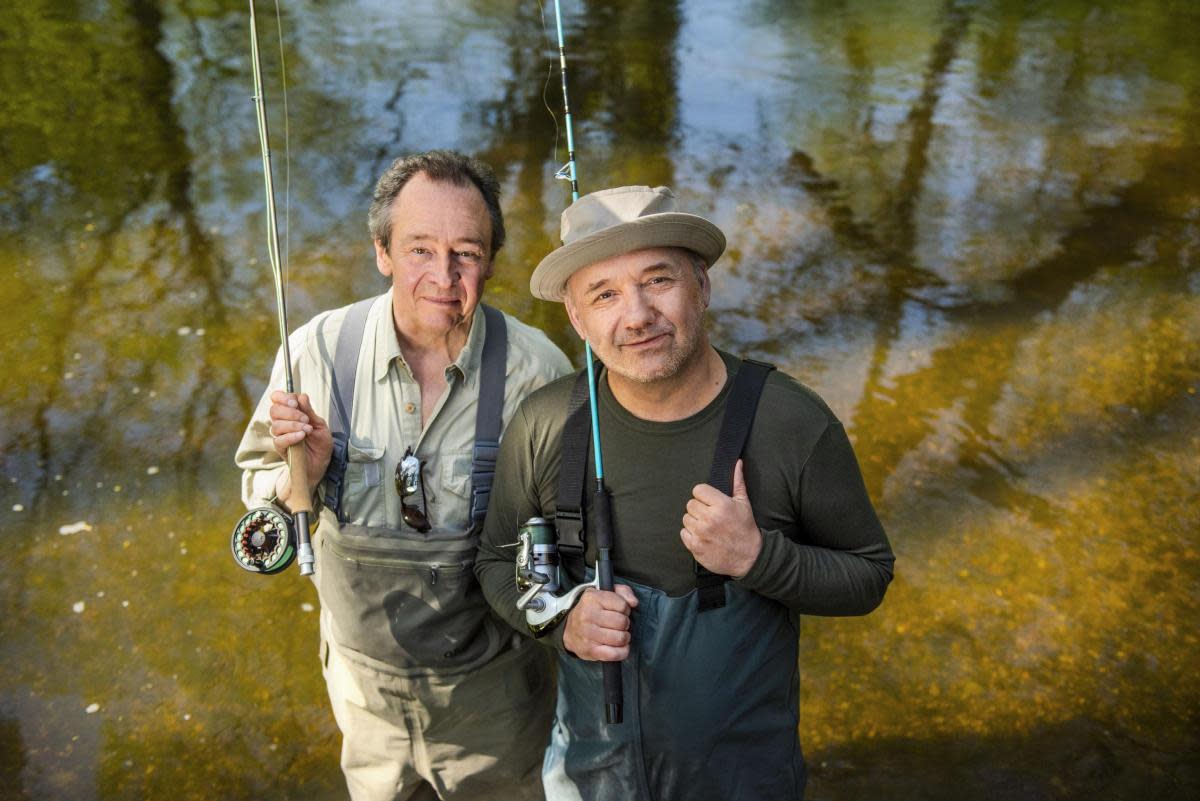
(719,529)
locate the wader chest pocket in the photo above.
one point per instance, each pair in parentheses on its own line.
(407,599)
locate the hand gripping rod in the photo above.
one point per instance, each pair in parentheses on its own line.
(300,500)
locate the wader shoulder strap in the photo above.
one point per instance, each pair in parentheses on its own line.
(740,408)
(488,416)
(343,372)
(576,437)
(489,413)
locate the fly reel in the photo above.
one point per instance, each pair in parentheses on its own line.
(264,541)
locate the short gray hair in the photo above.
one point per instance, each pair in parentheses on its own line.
(449,166)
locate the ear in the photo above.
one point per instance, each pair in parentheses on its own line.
(383,261)
(705,287)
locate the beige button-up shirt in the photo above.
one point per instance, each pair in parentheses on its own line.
(386,418)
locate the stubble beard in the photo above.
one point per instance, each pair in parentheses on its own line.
(686,344)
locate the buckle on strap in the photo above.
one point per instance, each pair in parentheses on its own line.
(335,474)
(568,524)
(483,471)
(483,457)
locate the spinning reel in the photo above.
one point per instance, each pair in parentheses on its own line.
(538,577)
(264,541)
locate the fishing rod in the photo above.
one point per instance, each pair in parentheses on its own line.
(601,499)
(265,540)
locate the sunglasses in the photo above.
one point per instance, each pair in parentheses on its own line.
(408,483)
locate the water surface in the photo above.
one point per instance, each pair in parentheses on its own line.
(973,227)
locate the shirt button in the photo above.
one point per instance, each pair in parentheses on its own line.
(410,407)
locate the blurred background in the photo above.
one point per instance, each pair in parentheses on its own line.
(973,227)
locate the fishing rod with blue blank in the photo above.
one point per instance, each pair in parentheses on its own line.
(266,540)
(537,544)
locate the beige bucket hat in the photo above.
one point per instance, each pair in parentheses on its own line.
(615,221)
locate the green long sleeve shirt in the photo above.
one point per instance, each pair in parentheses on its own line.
(824,551)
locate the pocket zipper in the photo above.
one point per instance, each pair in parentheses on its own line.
(405,564)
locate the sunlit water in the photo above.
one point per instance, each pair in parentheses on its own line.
(974,228)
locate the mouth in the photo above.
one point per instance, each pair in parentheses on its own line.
(442,302)
(646,343)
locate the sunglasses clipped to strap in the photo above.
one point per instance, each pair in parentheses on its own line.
(408,483)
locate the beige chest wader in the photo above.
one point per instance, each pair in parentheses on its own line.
(400,600)
(711,683)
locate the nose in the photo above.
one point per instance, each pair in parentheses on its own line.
(444,271)
(639,311)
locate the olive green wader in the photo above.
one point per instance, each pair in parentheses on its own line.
(711,683)
(436,697)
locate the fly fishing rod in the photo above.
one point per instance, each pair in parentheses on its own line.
(265,540)
(601,499)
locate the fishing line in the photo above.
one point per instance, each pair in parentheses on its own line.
(546,85)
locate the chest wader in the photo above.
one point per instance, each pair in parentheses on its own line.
(401,601)
(711,682)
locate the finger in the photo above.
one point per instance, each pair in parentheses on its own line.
(691,522)
(739,481)
(708,494)
(285,398)
(280,411)
(626,592)
(610,600)
(285,441)
(610,621)
(607,653)
(695,508)
(615,638)
(306,407)
(280,427)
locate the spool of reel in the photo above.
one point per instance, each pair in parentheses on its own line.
(264,541)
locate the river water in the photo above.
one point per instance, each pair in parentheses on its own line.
(973,227)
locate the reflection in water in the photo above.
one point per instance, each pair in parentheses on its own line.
(973,227)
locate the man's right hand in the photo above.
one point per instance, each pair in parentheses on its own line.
(294,421)
(597,629)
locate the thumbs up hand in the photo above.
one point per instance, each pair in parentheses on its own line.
(719,529)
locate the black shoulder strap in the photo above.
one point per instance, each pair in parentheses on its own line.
(576,438)
(489,413)
(489,420)
(344,369)
(740,408)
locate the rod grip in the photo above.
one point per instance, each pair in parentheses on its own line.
(301,498)
(614,691)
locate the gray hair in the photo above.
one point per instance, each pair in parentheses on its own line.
(449,166)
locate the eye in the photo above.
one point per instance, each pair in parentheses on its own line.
(607,294)
(469,255)
(419,251)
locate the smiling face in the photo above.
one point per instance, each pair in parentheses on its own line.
(642,312)
(438,257)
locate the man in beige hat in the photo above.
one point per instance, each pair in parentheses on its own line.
(737,505)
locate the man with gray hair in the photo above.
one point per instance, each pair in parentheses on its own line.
(400,403)
(735,504)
